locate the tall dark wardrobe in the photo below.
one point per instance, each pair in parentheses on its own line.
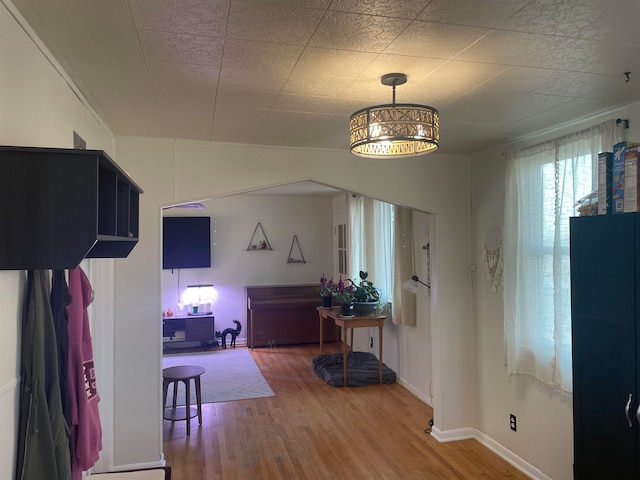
(605,301)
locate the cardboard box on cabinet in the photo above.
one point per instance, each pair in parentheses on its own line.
(631,197)
(618,175)
(605,164)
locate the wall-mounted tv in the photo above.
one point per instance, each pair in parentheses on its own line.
(186,242)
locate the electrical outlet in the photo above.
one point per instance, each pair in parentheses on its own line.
(512,422)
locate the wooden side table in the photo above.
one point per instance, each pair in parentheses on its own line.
(182,373)
(350,323)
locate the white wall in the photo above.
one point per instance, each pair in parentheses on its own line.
(418,377)
(38,107)
(174,171)
(234,219)
(545,421)
(470,387)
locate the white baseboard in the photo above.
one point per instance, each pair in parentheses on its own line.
(522,465)
(134,466)
(467,433)
(453,435)
(417,393)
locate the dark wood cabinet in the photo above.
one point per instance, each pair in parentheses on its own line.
(196,328)
(605,286)
(59,206)
(199,329)
(285,315)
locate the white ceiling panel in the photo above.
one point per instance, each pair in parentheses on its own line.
(232,124)
(284,128)
(575,84)
(181,48)
(272,22)
(300,103)
(521,79)
(435,40)
(531,50)
(616,26)
(454,79)
(326,132)
(230,95)
(350,31)
(192,17)
(332,62)
(291,72)
(568,18)
(415,68)
(523,107)
(316,85)
(384,8)
(487,14)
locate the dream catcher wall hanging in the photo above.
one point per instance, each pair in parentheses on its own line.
(493,257)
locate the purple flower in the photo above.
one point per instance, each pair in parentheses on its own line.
(327,287)
(345,292)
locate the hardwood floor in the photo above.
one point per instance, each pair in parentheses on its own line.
(311,430)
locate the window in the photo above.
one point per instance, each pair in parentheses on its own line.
(371,226)
(543,184)
(342,249)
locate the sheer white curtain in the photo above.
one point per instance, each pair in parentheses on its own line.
(404,302)
(542,185)
(371,245)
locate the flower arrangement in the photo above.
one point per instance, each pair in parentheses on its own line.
(365,291)
(344,293)
(327,287)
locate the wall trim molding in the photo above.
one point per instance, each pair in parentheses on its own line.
(134,466)
(415,392)
(491,444)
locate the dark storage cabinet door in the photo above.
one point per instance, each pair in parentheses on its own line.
(604,299)
(196,328)
(199,329)
(58,206)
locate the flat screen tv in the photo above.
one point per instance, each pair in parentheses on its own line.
(186,242)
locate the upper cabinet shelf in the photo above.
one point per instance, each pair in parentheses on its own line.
(58,206)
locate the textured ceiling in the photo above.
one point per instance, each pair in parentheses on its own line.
(290,72)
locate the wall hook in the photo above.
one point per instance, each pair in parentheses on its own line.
(627,76)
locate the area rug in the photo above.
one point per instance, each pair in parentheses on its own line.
(230,374)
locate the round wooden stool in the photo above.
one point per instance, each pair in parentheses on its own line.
(182,373)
